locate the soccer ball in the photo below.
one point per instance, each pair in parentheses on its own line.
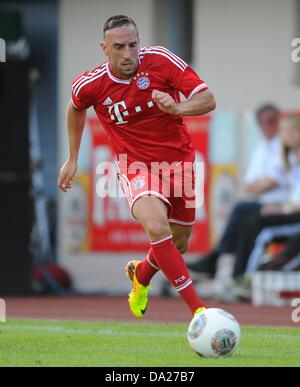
(214,333)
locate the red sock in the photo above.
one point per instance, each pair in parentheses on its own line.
(147,269)
(174,268)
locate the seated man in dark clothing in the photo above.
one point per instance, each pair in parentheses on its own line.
(258,183)
(286,216)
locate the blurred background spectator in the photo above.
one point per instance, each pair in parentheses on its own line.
(285,216)
(274,223)
(258,182)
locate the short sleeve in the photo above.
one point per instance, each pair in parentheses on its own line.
(188,82)
(81,92)
(179,74)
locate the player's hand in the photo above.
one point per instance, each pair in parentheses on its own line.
(66,174)
(165,102)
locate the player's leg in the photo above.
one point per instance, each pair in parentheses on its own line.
(155,210)
(181,235)
(152,213)
(141,273)
(133,185)
(149,267)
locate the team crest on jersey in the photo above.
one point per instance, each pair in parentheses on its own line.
(143,82)
(139,182)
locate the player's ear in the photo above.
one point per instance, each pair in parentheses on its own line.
(103,46)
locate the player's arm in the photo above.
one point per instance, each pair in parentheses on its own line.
(75,124)
(199,104)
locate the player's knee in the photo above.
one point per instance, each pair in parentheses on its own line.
(181,244)
(183,248)
(158,229)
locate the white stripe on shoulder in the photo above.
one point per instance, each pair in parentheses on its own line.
(168,56)
(86,77)
(177,58)
(88,81)
(90,74)
(83,81)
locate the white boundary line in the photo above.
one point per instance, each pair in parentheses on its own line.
(96,331)
(116,332)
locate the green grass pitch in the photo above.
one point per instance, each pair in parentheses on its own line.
(48,343)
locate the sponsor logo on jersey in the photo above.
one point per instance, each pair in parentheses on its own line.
(108,101)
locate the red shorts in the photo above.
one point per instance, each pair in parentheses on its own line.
(174,186)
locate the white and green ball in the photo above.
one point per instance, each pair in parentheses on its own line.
(214,333)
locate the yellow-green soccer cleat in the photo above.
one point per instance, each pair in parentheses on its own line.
(138,297)
(199,310)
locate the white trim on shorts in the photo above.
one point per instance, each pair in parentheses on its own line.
(123,179)
(149,193)
(182,223)
(154,243)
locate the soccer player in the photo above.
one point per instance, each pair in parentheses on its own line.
(135,95)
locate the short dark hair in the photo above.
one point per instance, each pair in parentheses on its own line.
(265,108)
(118,21)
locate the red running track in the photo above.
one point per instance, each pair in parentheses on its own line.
(171,310)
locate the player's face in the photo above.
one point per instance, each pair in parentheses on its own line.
(121,46)
(268,121)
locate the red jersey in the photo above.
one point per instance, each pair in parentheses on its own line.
(132,120)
